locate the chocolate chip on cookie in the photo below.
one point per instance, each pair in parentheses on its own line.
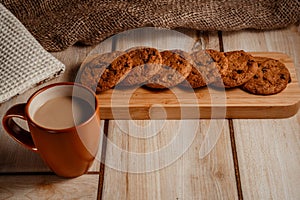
(211,65)
(173,70)
(104,71)
(241,68)
(146,63)
(271,77)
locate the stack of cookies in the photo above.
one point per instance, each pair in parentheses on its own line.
(147,66)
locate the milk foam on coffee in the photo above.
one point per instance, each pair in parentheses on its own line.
(63,112)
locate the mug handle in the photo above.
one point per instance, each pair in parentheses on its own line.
(14,130)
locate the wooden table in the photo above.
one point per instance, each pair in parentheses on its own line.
(252,159)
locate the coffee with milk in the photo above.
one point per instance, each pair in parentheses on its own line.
(63,112)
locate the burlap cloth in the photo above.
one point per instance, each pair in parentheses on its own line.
(57,24)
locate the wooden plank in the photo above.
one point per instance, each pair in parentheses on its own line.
(187,177)
(48,187)
(268,150)
(160,159)
(141,103)
(14,157)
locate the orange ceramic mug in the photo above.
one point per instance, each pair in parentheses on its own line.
(64,125)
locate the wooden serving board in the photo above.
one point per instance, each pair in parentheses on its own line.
(204,103)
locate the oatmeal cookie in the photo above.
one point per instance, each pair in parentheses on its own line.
(104,71)
(211,65)
(146,63)
(194,79)
(271,77)
(174,69)
(241,68)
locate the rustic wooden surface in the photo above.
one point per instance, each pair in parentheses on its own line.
(252,159)
(48,187)
(176,173)
(268,150)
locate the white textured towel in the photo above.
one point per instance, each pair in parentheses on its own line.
(23,61)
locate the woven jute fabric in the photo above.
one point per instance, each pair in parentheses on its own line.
(57,24)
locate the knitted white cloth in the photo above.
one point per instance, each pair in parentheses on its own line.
(23,61)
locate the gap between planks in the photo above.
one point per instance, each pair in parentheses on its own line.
(232,140)
(102,160)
